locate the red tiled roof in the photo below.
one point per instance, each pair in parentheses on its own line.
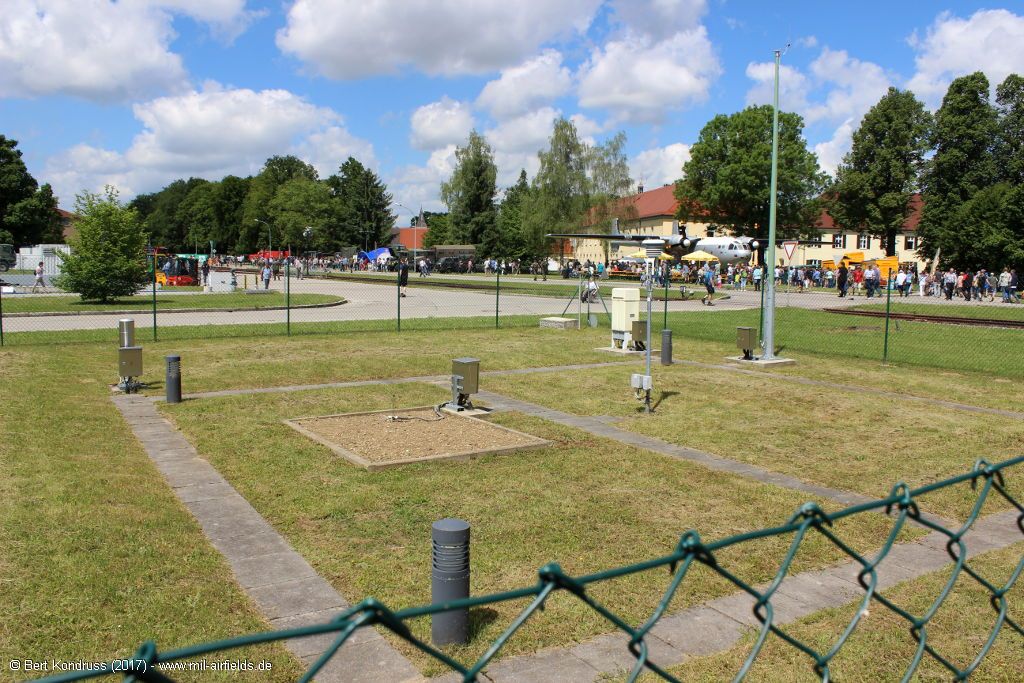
(826,222)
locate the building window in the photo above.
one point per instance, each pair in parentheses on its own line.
(863,241)
(839,241)
(814,262)
(710,232)
(910,241)
(815,240)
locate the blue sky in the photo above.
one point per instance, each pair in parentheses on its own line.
(140,92)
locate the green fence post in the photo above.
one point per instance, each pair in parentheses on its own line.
(1,315)
(288,295)
(497,294)
(888,302)
(154,295)
(398,294)
(760,330)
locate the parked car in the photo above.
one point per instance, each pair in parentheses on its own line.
(7,258)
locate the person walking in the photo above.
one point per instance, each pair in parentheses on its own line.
(403,277)
(709,285)
(1004,284)
(841,281)
(267,273)
(1014,284)
(39,282)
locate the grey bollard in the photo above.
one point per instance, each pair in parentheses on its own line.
(666,347)
(172,381)
(449,580)
(126,332)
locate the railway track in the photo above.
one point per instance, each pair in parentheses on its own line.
(921,317)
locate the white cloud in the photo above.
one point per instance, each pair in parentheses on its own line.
(328,149)
(99,49)
(661,165)
(209,134)
(852,86)
(794,86)
(536,82)
(420,186)
(441,123)
(640,80)
(807,41)
(991,41)
(831,152)
(858,86)
(526,133)
(355,38)
(659,18)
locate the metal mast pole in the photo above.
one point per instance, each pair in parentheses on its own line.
(769,277)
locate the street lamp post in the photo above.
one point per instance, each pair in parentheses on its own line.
(415,228)
(769,276)
(270,242)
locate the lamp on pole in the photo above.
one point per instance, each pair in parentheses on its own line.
(270,242)
(307,234)
(415,227)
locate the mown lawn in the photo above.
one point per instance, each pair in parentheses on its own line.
(950,310)
(164,302)
(845,440)
(97,554)
(584,502)
(882,648)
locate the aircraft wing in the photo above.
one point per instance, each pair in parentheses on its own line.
(605,236)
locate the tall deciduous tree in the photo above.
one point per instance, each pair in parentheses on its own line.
(1010,143)
(108,255)
(727,181)
(877,177)
(276,172)
(469,195)
(437,230)
(964,164)
(28,213)
(560,195)
(166,224)
(300,203)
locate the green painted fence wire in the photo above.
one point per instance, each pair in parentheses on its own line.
(900,504)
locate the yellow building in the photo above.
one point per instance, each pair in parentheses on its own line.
(652,213)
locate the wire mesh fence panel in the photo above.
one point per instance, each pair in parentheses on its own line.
(768,600)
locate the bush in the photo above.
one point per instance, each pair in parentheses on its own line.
(108,257)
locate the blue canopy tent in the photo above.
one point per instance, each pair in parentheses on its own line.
(374,255)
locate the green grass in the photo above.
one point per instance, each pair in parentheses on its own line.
(584,502)
(882,648)
(997,352)
(950,310)
(843,440)
(164,302)
(97,554)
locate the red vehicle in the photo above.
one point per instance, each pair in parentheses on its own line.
(268,254)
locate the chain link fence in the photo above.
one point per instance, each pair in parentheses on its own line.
(919,323)
(691,551)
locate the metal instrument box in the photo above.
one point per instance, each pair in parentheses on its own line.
(469,370)
(129,361)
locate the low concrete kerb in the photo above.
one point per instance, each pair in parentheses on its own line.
(57,314)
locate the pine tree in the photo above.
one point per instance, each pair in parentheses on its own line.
(363,212)
(510,218)
(879,175)
(560,195)
(469,195)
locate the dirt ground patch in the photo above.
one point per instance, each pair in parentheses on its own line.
(384,438)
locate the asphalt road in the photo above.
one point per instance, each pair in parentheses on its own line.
(380,302)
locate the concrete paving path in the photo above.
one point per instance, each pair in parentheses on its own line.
(279,581)
(289,593)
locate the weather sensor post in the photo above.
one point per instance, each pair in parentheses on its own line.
(465,382)
(129,357)
(643,384)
